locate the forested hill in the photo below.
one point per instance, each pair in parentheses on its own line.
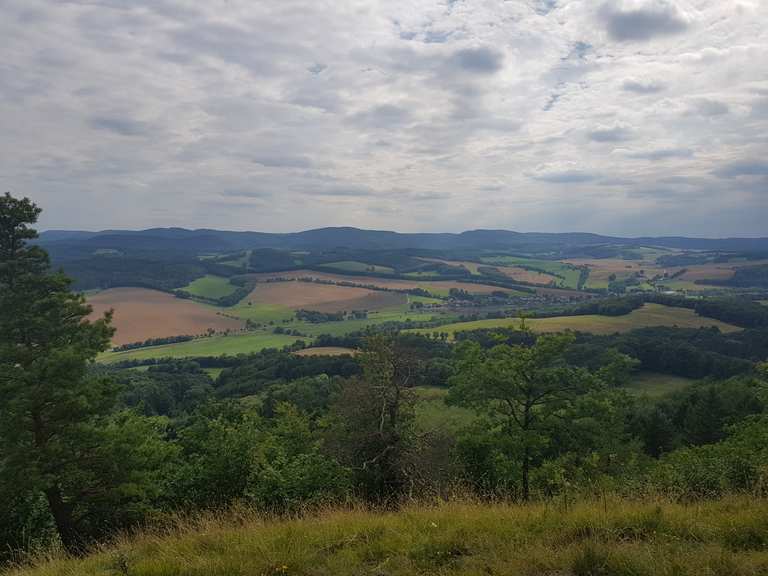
(74,243)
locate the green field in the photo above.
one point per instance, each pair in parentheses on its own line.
(345,327)
(213,372)
(433,414)
(566,275)
(258,312)
(424,299)
(212,346)
(210,287)
(656,385)
(354,266)
(265,338)
(648,315)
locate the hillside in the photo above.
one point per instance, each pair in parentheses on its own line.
(185,241)
(610,538)
(647,316)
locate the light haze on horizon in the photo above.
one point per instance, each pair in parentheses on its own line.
(628,117)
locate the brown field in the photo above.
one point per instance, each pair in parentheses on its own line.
(514,272)
(323,297)
(706,272)
(326,351)
(392,283)
(141,314)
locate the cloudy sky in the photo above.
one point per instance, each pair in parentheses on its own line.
(626,117)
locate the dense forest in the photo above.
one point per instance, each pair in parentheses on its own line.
(88,450)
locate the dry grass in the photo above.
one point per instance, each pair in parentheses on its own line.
(141,314)
(609,537)
(326,351)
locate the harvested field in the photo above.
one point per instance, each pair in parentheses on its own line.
(323,297)
(326,351)
(141,314)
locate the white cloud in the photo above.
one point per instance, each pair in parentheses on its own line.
(409,114)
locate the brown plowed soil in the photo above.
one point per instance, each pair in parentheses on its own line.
(141,314)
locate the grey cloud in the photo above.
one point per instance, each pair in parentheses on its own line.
(382,116)
(565,177)
(246,194)
(118,125)
(284,161)
(615,134)
(655,18)
(707,107)
(255,52)
(480,60)
(639,87)
(662,154)
(316,68)
(343,191)
(743,168)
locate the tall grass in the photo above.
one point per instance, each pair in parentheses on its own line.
(611,537)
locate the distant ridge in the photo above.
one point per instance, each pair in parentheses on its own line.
(348,237)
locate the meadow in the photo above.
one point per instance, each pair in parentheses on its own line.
(354,266)
(209,346)
(652,385)
(565,275)
(647,316)
(209,286)
(606,536)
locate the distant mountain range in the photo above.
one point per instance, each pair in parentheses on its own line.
(64,243)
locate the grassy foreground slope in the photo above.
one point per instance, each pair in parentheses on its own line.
(612,538)
(647,316)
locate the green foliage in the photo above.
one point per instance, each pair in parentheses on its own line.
(523,390)
(58,435)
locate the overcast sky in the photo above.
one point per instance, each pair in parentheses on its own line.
(626,117)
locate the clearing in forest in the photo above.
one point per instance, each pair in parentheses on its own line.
(210,287)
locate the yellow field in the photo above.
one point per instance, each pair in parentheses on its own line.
(647,316)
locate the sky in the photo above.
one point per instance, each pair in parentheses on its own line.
(627,117)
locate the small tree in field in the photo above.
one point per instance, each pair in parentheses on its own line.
(524,389)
